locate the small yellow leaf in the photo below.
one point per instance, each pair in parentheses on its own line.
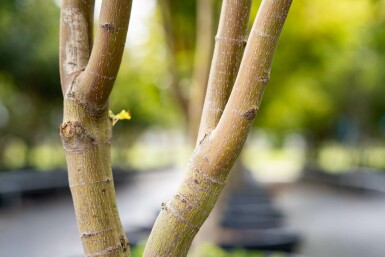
(123,115)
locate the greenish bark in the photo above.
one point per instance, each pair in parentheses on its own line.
(230,43)
(208,168)
(88,73)
(86,140)
(229,47)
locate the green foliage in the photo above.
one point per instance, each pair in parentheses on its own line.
(30,96)
(328,69)
(29,45)
(326,81)
(336,158)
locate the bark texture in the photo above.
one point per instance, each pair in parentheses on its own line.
(230,43)
(208,168)
(87,75)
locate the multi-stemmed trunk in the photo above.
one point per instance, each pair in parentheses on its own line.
(217,149)
(87,75)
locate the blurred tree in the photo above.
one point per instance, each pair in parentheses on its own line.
(316,97)
(189,38)
(332,73)
(28,71)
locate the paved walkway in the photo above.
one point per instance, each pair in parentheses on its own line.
(47,227)
(335,223)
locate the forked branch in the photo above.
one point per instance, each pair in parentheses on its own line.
(217,151)
(88,73)
(87,76)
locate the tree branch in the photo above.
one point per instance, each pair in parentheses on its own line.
(229,46)
(76,36)
(95,83)
(254,72)
(87,76)
(209,166)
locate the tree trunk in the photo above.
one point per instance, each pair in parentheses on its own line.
(86,139)
(87,75)
(229,47)
(230,43)
(208,168)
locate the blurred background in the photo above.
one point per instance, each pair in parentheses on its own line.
(316,152)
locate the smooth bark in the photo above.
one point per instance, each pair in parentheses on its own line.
(87,76)
(230,43)
(208,168)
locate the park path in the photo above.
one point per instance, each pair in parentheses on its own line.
(335,222)
(332,223)
(46,227)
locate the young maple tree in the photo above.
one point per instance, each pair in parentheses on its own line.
(88,70)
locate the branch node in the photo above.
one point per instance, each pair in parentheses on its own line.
(106,251)
(241,41)
(94,233)
(124,243)
(264,34)
(264,80)
(75,129)
(205,137)
(109,27)
(105,181)
(250,114)
(206,177)
(178,216)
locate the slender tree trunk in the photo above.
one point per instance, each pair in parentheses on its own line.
(87,76)
(208,168)
(229,47)
(230,43)
(203,48)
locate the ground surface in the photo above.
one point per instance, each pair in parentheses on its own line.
(47,227)
(333,223)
